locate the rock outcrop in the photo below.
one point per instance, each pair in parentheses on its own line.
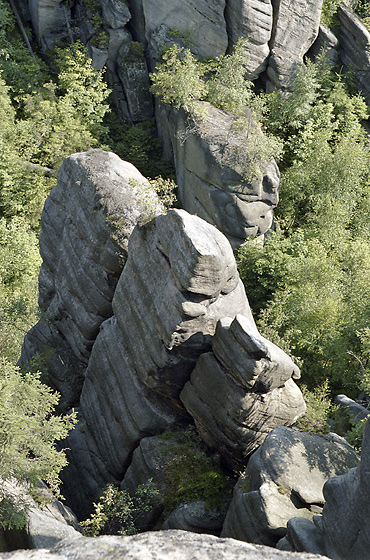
(215,174)
(296,25)
(179,279)
(236,398)
(85,226)
(161,545)
(284,478)
(343,530)
(355,48)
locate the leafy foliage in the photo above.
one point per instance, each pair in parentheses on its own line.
(117,511)
(319,408)
(28,430)
(192,473)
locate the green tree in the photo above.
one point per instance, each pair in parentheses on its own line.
(28,431)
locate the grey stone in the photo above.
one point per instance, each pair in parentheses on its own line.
(145,353)
(230,417)
(196,517)
(50,20)
(85,225)
(327,43)
(296,25)
(251,359)
(115,13)
(355,410)
(355,48)
(345,520)
(201,21)
(284,478)
(211,163)
(134,76)
(48,521)
(161,545)
(302,535)
(251,20)
(98,56)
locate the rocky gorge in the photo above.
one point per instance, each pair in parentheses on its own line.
(146,327)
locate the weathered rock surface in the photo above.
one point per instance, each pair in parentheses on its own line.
(50,21)
(342,532)
(355,48)
(85,226)
(161,545)
(284,479)
(196,517)
(47,522)
(346,514)
(251,19)
(134,77)
(327,43)
(355,410)
(212,162)
(236,403)
(200,21)
(179,279)
(296,25)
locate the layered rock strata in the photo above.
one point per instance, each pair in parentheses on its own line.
(85,225)
(236,398)
(284,478)
(296,25)
(355,48)
(179,279)
(251,19)
(215,175)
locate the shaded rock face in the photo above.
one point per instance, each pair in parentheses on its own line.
(163,545)
(85,226)
(296,25)
(355,48)
(47,522)
(251,19)
(342,532)
(211,166)
(285,478)
(237,399)
(179,279)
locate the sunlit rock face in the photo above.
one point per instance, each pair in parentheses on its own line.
(85,226)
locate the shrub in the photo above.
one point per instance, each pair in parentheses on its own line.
(116,511)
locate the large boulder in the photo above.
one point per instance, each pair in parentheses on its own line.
(180,278)
(161,545)
(85,225)
(214,172)
(50,21)
(296,25)
(242,390)
(284,478)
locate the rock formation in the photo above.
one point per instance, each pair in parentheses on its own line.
(355,48)
(238,396)
(161,545)
(296,25)
(85,226)
(179,279)
(212,168)
(343,530)
(284,478)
